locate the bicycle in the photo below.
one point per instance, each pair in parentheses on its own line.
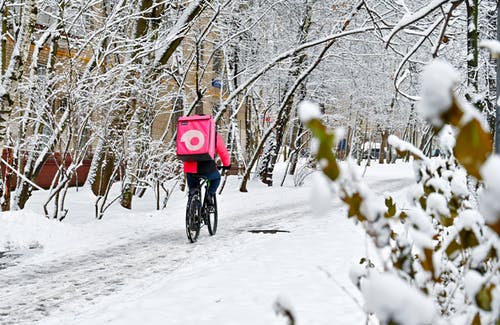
(198,213)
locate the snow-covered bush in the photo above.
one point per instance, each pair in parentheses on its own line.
(439,257)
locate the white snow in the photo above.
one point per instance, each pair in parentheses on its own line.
(437,205)
(467,219)
(492,45)
(320,195)
(308,111)
(438,80)
(357,272)
(405,146)
(439,185)
(340,133)
(459,183)
(138,267)
(473,282)
(373,207)
(314,146)
(409,18)
(390,298)
(175,32)
(3,91)
(420,220)
(470,112)
(414,192)
(420,228)
(447,140)
(489,204)
(25,229)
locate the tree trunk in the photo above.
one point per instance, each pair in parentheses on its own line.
(358,139)
(297,144)
(12,71)
(250,130)
(103,173)
(189,14)
(472,44)
(383,145)
(295,69)
(7,179)
(497,122)
(296,135)
(362,137)
(134,107)
(265,171)
(131,171)
(348,142)
(480,102)
(15,68)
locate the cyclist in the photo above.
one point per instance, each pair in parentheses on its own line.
(208,169)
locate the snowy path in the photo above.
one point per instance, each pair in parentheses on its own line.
(29,293)
(70,287)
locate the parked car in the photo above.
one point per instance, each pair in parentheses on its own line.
(373,153)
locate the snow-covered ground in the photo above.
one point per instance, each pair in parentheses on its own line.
(138,267)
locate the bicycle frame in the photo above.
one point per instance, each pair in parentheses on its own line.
(202,188)
(198,212)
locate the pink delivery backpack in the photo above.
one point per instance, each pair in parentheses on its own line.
(196,138)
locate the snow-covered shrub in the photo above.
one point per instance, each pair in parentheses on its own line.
(306,168)
(439,257)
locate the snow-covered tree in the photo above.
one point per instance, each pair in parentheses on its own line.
(439,256)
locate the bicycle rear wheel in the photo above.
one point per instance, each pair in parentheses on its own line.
(193,217)
(211,218)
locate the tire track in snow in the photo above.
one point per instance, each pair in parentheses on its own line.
(30,293)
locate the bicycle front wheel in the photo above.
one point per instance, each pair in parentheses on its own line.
(211,218)
(193,217)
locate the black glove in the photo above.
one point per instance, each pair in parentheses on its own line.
(226,167)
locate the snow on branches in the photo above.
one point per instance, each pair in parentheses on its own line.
(439,260)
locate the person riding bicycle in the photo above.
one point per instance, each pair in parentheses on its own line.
(208,169)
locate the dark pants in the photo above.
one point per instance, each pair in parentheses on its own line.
(213,177)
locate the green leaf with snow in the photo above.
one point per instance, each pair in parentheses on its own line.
(354,203)
(454,114)
(326,142)
(428,263)
(403,216)
(477,319)
(423,202)
(445,220)
(484,297)
(453,249)
(454,205)
(473,147)
(467,238)
(391,208)
(495,226)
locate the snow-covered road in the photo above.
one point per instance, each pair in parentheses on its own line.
(30,292)
(233,274)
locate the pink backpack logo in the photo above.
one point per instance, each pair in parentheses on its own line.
(196,138)
(193,140)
